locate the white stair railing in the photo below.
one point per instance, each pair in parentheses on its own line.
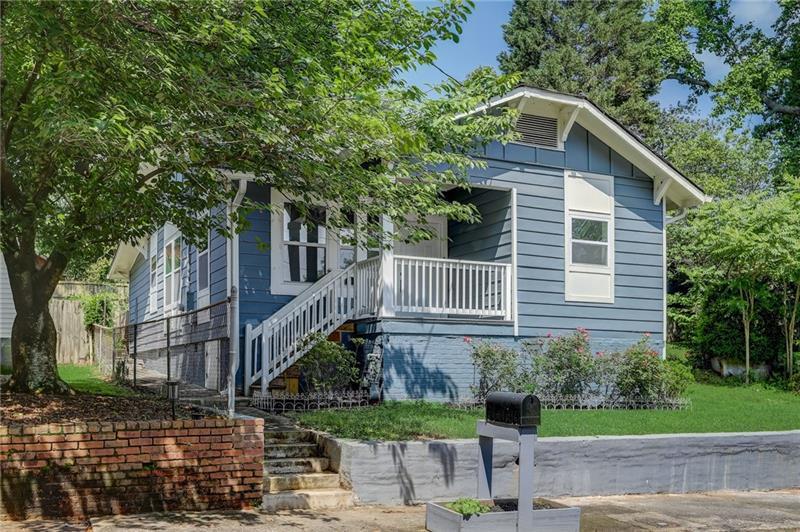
(279,341)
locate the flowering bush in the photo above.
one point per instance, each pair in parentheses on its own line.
(643,374)
(564,367)
(561,365)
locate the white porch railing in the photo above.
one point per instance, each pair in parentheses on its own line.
(420,285)
(453,287)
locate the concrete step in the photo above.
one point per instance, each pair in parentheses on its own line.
(290,450)
(300,481)
(295,465)
(272,437)
(307,500)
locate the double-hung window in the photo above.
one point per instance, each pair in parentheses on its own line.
(172,272)
(589,237)
(299,246)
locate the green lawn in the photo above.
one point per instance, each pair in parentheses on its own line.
(714,409)
(87,379)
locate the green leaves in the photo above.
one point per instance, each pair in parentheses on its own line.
(305,96)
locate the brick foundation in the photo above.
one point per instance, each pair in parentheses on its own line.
(76,470)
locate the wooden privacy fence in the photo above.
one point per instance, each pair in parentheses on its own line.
(75,344)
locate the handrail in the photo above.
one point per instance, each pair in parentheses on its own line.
(455,287)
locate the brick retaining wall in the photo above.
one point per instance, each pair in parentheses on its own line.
(75,470)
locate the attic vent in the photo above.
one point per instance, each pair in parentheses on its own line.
(539,130)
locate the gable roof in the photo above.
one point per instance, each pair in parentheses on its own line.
(669,183)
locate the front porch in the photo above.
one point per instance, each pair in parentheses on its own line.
(465,273)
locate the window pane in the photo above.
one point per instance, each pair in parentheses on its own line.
(202,271)
(306,264)
(168,290)
(583,253)
(594,230)
(176,258)
(347,256)
(295,230)
(168,258)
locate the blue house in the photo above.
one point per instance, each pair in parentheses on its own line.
(572,234)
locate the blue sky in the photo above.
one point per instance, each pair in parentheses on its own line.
(482,40)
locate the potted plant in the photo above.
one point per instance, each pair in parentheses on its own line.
(498,515)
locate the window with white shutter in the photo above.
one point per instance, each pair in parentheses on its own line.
(589,237)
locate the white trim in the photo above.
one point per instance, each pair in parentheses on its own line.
(664,275)
(152,276)
(514,261)
(573,115)
(175,275)
(204,294)
(660,188)
(685,194)
(608,217)
(279,285)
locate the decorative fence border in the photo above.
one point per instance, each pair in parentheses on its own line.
(573,402)
(288,402)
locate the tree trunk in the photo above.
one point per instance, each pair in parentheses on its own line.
(33,336)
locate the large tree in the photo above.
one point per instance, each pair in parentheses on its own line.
(601,49)
(120,116)
(722,161)
(764,70)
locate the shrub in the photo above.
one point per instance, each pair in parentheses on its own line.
(794,383)
(498,368)
(98,308)
(643,374)
(561,365)
(328,366)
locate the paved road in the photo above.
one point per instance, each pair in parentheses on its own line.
(772,510)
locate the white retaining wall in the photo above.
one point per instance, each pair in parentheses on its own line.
(418,471)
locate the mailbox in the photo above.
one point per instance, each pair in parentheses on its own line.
(513,409)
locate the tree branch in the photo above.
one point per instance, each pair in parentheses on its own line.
(23,98)
(778,107)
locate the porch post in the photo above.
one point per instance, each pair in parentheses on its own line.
(387,270)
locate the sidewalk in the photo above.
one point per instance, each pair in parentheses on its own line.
(772,510)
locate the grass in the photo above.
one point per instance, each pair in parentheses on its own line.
(87,379)
(714,409)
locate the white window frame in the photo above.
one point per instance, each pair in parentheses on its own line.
(204,295)
(608,217)
(176,275)
(279,279)
(152,307)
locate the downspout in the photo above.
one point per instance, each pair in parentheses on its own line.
(232,252)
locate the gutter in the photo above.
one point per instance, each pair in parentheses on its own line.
(232,253)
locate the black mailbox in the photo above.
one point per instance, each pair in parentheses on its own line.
(513,409)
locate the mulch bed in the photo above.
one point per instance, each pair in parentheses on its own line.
(17,408)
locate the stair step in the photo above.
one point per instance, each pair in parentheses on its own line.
(278,436)
(300,481)
(295,465)
(307,500)
(290,450)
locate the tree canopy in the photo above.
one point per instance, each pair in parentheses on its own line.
(602,50)
(119,117)
(764,70)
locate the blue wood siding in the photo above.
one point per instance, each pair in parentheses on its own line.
(431,360)
(139,284)
(256,300)
(488,240)
(218,264)
(538,176)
